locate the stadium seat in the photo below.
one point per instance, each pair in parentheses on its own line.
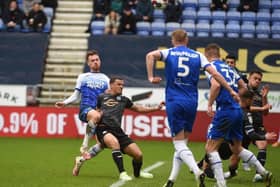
(143,28)
(1,25)
(218,16)
(247,31)
(48,26)
(158,28)
(204,3)
(171,26)
(203,15)
(232,30)
(202,29)
(275,31)
(262,31)
(158,15)
(20,4)
(218,30)
(233,16)
(263,16)
(190,28)
(264,5)
(190,4)
(248,17)
(275,17)
(48,11)
(233,4)
(189,14)
(97,27)
(275,4)
(188,21)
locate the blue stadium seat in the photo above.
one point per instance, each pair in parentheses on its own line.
(275,31)
(190,4)
(232,30)
(143,28)
(248,17)
(97,27)
(158,15)
(233,4)
(202,29)
(20,4)
(275,4)
(219,16)
(204,3)
(248,31)
(1,25)
(263,16)
(203,15)
(190,28)
(218,30)
(233,16)
(264,5)
(189,14)
(275,16)
(171,26)
(262,30)
(158,28)
(48,11)
(188,21)
(48,26)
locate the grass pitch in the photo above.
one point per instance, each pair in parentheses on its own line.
(28,162)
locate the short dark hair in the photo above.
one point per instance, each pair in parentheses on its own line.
(255,71)
(231,56)
(92,52)
(113,79)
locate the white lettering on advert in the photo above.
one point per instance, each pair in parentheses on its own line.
(55,123)
(143,125)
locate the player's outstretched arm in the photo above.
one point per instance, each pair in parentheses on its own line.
(72,98)
(142,109)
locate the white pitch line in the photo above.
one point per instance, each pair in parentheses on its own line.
(147,169)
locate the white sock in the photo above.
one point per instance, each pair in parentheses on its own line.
(250,158)
(88,135)
(185,154)
(91,124)
(94,150)
(176,166)
(217,166)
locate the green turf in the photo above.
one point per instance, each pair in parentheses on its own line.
(48,162)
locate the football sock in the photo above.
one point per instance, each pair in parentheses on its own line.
(185,154)
(88,135)
(262,156)
(232,169)
(176,166)
(118,159)
(250,158)
(136,167)
(94,150)
(217,166)
(91,124)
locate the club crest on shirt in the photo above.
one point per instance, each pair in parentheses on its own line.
(111,102)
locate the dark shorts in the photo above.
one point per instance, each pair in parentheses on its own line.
(102,130)
(246,139)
